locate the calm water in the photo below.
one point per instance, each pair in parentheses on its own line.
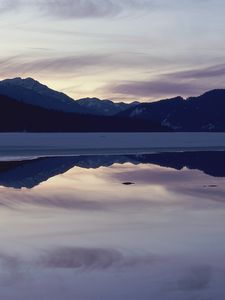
(72,229)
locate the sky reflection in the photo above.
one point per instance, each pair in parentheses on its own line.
(84,234)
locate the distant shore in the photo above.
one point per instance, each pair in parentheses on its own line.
(16,145)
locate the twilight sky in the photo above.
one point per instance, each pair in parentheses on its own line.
(116,49)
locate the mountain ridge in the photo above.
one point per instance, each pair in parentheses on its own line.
(31,91)
(105,107)
(201,113)
(17,116)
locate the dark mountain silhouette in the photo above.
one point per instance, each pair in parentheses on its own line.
(104,107)
(203,113)
(17,116)
(30,173)
(30,91)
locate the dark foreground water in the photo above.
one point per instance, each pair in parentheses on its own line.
(113,227)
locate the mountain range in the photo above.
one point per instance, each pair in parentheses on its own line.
(32,92)
(28,105)
(203,113)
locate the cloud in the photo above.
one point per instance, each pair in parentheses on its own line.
(7,6)
(154,88)
(207,72)
(185,83)
(72,64)
(80,8)
(70,9)
(21,65)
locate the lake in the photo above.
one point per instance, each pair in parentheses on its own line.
(146,226)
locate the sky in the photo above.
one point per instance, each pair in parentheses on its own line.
(115,49)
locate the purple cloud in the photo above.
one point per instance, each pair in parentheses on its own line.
(207,72)
(155,88)
(65,64)
(30,64)
(70,9)
(6,6)
(185,83)
(80,8)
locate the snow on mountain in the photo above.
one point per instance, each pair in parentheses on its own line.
(105,107)
(202,113)
(33,92)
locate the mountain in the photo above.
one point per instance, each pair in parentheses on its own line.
(35,107)
(30,91)
(16,116)
(30,173)
(160,110)
(104,107)
(203,113)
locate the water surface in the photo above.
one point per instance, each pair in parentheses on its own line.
(113,227)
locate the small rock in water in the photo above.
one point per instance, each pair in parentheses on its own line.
(128,183)
(210,186)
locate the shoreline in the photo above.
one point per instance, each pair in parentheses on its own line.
(31,145)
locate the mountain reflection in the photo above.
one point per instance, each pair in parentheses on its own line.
(30,173)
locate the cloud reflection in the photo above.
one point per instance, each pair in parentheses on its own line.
(92,259)
(197,278)
(10,269)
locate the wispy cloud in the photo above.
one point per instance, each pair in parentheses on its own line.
(80,8)
(6,6)
(207,72)
(185,83)
(73,64)
(70,9)
(21,65)
(154,88)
